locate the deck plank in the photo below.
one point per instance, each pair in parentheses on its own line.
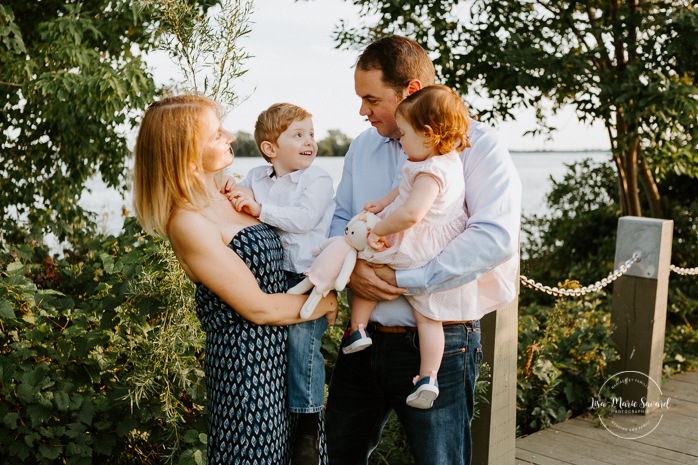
(581,441)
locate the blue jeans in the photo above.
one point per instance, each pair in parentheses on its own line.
(366,386)
(306,365)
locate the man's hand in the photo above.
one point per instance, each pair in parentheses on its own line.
(385,273)
(365,283)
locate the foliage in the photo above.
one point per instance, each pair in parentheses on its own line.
(335,144)
(576,240)
(204,43)
(245,145)
(563,353)
(73,83)
(101,355)
(72,75)
(630,65)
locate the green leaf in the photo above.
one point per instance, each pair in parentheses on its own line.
(7,310)
(10,420)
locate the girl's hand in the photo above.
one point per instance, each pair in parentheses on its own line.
(374,207)
(243,202)
(377,242)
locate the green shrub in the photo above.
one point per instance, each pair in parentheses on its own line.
(575,240)
(563,354)
(101,355)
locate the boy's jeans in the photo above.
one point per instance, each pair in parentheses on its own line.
(306,365)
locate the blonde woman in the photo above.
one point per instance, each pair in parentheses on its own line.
(236,263)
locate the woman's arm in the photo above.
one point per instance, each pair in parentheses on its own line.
(198,245)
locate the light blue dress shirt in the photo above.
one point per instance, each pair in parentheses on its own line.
(372,168)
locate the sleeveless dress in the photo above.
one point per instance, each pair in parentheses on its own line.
(246,365)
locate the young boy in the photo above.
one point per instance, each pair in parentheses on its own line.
(295,198)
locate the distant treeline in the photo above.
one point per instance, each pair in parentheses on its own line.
(335,144)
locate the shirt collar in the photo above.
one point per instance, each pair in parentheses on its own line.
(269,173)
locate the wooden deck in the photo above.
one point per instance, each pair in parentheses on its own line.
(579,441)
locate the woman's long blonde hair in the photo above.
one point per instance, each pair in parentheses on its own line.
(168,153)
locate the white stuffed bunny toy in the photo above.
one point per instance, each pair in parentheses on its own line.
(335,261)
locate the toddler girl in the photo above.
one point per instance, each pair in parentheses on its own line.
(418,219)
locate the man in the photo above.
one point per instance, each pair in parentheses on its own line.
(366,386)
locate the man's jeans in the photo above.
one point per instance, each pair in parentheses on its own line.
(367,385)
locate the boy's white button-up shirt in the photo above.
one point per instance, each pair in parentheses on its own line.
(372,168)
(299,206)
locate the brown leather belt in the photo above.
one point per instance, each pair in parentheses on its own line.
(406,329)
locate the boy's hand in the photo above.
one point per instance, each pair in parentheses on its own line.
(228,186)
(377,242)
(374,207)
(243,202)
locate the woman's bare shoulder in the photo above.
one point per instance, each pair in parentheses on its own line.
(187,225)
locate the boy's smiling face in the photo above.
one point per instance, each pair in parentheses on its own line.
(295,149)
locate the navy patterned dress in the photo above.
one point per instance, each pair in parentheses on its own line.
(246,364)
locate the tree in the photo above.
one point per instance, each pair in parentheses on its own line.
(631,64)
(203,43)
(335,144)
(73,84)
(245,145)
(72,75)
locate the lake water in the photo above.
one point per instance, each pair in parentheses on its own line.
(535,170)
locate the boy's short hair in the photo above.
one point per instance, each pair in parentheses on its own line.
(440,114)
(275,120)
(401,60)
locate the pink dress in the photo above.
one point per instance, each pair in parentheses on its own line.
(419,244)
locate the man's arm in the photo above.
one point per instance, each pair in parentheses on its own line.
(493,198)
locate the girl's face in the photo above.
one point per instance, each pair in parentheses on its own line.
(217,153)
(413,142)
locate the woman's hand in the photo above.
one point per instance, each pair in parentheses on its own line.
(365,283)
(331,301)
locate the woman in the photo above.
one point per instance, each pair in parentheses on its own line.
(236,263)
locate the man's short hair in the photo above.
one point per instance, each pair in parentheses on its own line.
(401,60)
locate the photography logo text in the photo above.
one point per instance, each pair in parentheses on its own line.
(630,405)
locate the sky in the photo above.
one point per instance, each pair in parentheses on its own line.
(294,60)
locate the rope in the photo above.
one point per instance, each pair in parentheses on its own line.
(597,286)
(683,271)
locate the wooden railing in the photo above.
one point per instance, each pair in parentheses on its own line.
(639,304)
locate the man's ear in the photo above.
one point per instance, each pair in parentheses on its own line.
(413,86)
(268,149)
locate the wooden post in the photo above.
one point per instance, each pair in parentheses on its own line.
(640,302)
(494,430)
